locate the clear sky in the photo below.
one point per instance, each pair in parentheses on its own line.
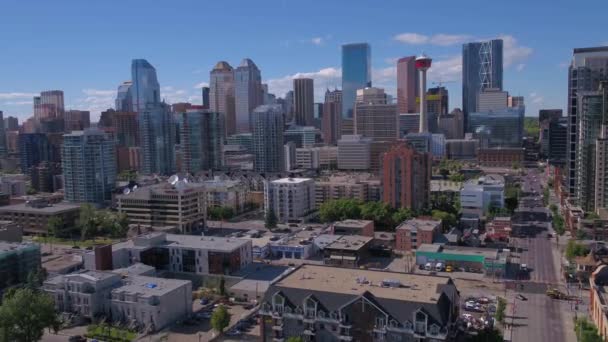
(85,47)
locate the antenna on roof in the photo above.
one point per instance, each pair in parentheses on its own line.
(126,191)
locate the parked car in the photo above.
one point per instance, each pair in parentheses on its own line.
(521,297)
(204,301)
(448,268)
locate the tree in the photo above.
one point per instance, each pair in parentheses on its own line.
(295,339)
(25,314)
(447,219)
(553,208)
(220,319)
(271,219)
(220,213)
(559,224)
(402,214)
(575,249)
(379,212)
(88,221)
(586,331)
(500,309)
(35,278)
(456,177)
(511,204)
(487,335)
(340,209)
(55,227)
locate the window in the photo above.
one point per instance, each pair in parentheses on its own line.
(380,322)
(434,329)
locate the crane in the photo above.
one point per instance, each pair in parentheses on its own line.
(440,82)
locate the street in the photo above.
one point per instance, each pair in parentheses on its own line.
(538,318)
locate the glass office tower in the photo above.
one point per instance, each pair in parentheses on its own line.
(145,89)
(481,69)
(202,140)
(502,128)
(356,74)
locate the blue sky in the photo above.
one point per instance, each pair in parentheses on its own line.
(85,47)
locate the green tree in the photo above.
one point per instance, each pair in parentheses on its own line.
(220,213)
(511,204)
(586,331)
(456,177)
(487,335)
(531,127)
(35,278)
(559,224)
(295,339)
(402,214)
(271,219)
(220,319)
(553,209)
(500,309)
(575,249)
(447,219)
(55,227)
(340,209)
(25,314)
(88,221)
(379,212)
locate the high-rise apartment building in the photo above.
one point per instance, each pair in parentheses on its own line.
(589,66)
(11,123)
(406,177)
(76,120)
(601,154)
(202,140)
(481,69)
(126,128)
(290,198)
(157,140)
(145,90)
(267,124)
(49,105)
(124,98)
(89,166)
(221,94)
(407,85)
(247,93)
(3,148)
(557,142)
(356,74)
(374,117)
(591,114)
(332,114)
(545,118)
(303,90)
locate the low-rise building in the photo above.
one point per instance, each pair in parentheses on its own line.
(153,303)
(487,260)
(412,233)
(226,193)
(314,158)
(500,157)
(364,187)
(479,195)
(338,304)
(33,217)
(146,303)
(347,251)
(353,227)
(291,199)
(598,303)
(461,149)
(294,246)
(499,228)
(184,253)
(178,205)
(17,260)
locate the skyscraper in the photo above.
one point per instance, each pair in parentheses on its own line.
(202,140)
(406,177)
(267,124)
(124,98)
(76,120)
(48,111)
(205,97)
(221,94)
(303,90)
(356,74)
(374,117)
(247,93)
(407,85)
(481,69)
(34,148)
(157,140)
(89,166)
(589,66)
(126,129)
(11,123)
(145,90)
(3,148)
(332,114)
(437,100)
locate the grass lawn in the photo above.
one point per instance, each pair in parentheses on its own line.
(116,334)
(75,242)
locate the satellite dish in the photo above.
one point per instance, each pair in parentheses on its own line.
(126,191)
(173,179)
(134,188)
(185,180)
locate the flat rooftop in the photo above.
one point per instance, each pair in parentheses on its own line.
(15,246)
(51,209)
(84,276)
(353,223)
(350,242)
(291,180)
(211,243)
(487,253)
(419,224)
(134,270)
(150,286)
(417,288)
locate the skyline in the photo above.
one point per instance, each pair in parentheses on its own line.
(44,56)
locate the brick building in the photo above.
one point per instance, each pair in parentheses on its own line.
(406,177)
(412,233)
